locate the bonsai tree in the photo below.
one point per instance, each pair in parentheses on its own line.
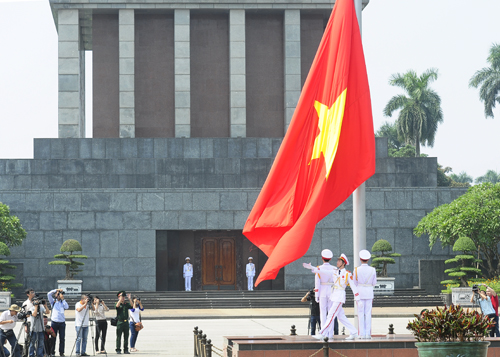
(72,266)
(380,261)
(6,279)
(465,263)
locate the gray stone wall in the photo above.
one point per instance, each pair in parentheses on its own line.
(114,194)
(117,229)
(178,163)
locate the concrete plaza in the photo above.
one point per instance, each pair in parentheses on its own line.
(169,332)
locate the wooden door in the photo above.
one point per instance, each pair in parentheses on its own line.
(218,264)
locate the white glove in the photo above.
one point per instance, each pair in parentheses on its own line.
(307,266)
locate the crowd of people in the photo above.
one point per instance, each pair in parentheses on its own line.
(44,320)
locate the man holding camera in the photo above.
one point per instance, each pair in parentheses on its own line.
(8,321)
(82,324)
(56,299)
(484,301)
(122,326)
(37,337)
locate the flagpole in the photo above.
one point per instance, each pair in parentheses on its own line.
(358,196)
(358,199)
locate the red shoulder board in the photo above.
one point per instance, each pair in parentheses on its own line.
(351,277)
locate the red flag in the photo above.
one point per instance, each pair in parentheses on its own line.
(327,152)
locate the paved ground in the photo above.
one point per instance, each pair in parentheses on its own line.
(169,332)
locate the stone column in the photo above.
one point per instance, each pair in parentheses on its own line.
(126,38)
(237,73)
(292,63)
(71,71)
(182,74)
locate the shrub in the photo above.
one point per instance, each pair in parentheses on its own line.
(450,324)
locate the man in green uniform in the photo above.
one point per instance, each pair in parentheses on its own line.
(122,308)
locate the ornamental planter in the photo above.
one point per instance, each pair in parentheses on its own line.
(452,349)
(72,288)
(385,286)
(461,296)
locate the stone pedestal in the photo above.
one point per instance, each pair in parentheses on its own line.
(385,286)
(4,300)
(461,296)
(72,288)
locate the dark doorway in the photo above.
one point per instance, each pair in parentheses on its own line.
(218,264)
(219,260)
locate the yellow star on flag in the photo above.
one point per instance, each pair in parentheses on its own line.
(330,124)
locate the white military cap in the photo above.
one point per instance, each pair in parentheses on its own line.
(187,258)
(326,254)
(250,258)
(344,258)
(364,254)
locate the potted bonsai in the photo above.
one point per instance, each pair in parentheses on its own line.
(6,279)
(451,331)
(385,284)
(70,285)
(462,272)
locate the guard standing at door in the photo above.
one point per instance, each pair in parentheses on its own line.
(187,274)
(250,273)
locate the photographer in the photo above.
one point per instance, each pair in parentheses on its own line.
(135,318)
(37,338)
(49,337)
(58,304)
(484,301)
(8,321)
(28,303)
(101,326)
(494,302)
(314,319)
(82,324)
(122,308)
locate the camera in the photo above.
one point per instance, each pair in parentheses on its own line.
(37,300)
(475,289)
(23,314)
(89,298)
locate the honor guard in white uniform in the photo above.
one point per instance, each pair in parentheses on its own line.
(187,274)
(365,278)
(250,273)
(323,282)
(342,278)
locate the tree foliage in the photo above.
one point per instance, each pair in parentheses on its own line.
(395,144)
(490,176)
(11,231)
(72,266)
(419,110)
(475,215)
(462,177)
(488,79)
(380,261)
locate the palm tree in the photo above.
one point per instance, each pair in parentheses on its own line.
(490,176)
(489,80)
(462,177)
(420,111)
(390,131)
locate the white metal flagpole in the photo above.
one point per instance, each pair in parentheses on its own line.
(358,199)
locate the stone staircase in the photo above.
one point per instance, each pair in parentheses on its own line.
(257,299)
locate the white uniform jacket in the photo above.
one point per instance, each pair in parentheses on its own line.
(250,269)
(365,278)
(343,278)
(323,280)
(188,270)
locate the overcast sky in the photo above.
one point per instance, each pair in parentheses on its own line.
(453,36)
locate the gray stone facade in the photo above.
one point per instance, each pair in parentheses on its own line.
(113,195)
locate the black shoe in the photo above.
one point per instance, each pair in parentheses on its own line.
(62,354)
(84,354)
(126,352)
(118,352)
